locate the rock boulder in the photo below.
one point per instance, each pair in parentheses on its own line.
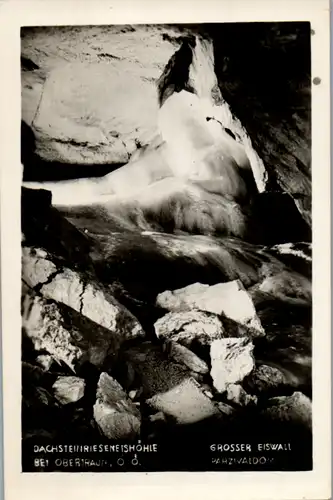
(295,409)
(66,334)
(183,355)
(115,414)
(229,299)
(93,101)
(68,389)
(186,403)
(232,360)
(185,327)
(265,379)
(80,292)
(236,394)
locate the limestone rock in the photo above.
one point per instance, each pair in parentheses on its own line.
(295,409)
(107,128)
(68,389)
(156,424)
(231,360)
(286,286)
(207,390)
(66,287)
(237,395)
(157,417)
(32,83)
(93,301)
(186,403)
(183,355)
(229,299)
(184,327)
(133,394)
(114,412)
(36,268)
(68,336)
(76,115)
(43,324)
(45,361)
(264,379)
(226,409)
(81,293)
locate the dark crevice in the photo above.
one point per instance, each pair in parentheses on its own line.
(27,64)
(81,296)
(175,76)
(50,278)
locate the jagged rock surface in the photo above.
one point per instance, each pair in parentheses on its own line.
(185,327)
(265,379)
(232,360)
(36,269)
(68,389)
(186,357)
(295,409)
(83,120)
(45,361)
(66,334)
(236,394)
(114,412)
(81,293)
(229,299)
(185,403)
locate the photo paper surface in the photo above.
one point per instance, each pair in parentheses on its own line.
(166,246)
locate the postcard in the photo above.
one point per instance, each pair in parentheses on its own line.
(165,249)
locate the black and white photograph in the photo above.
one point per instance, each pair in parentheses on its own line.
(166,247)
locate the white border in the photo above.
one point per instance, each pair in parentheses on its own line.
(255,485)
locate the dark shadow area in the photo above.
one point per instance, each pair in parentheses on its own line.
(286,347)
(194,447)
(175,76)
(38,170)
(276,219)
(264,74)
(44,227)
(263,67)
(27,64)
